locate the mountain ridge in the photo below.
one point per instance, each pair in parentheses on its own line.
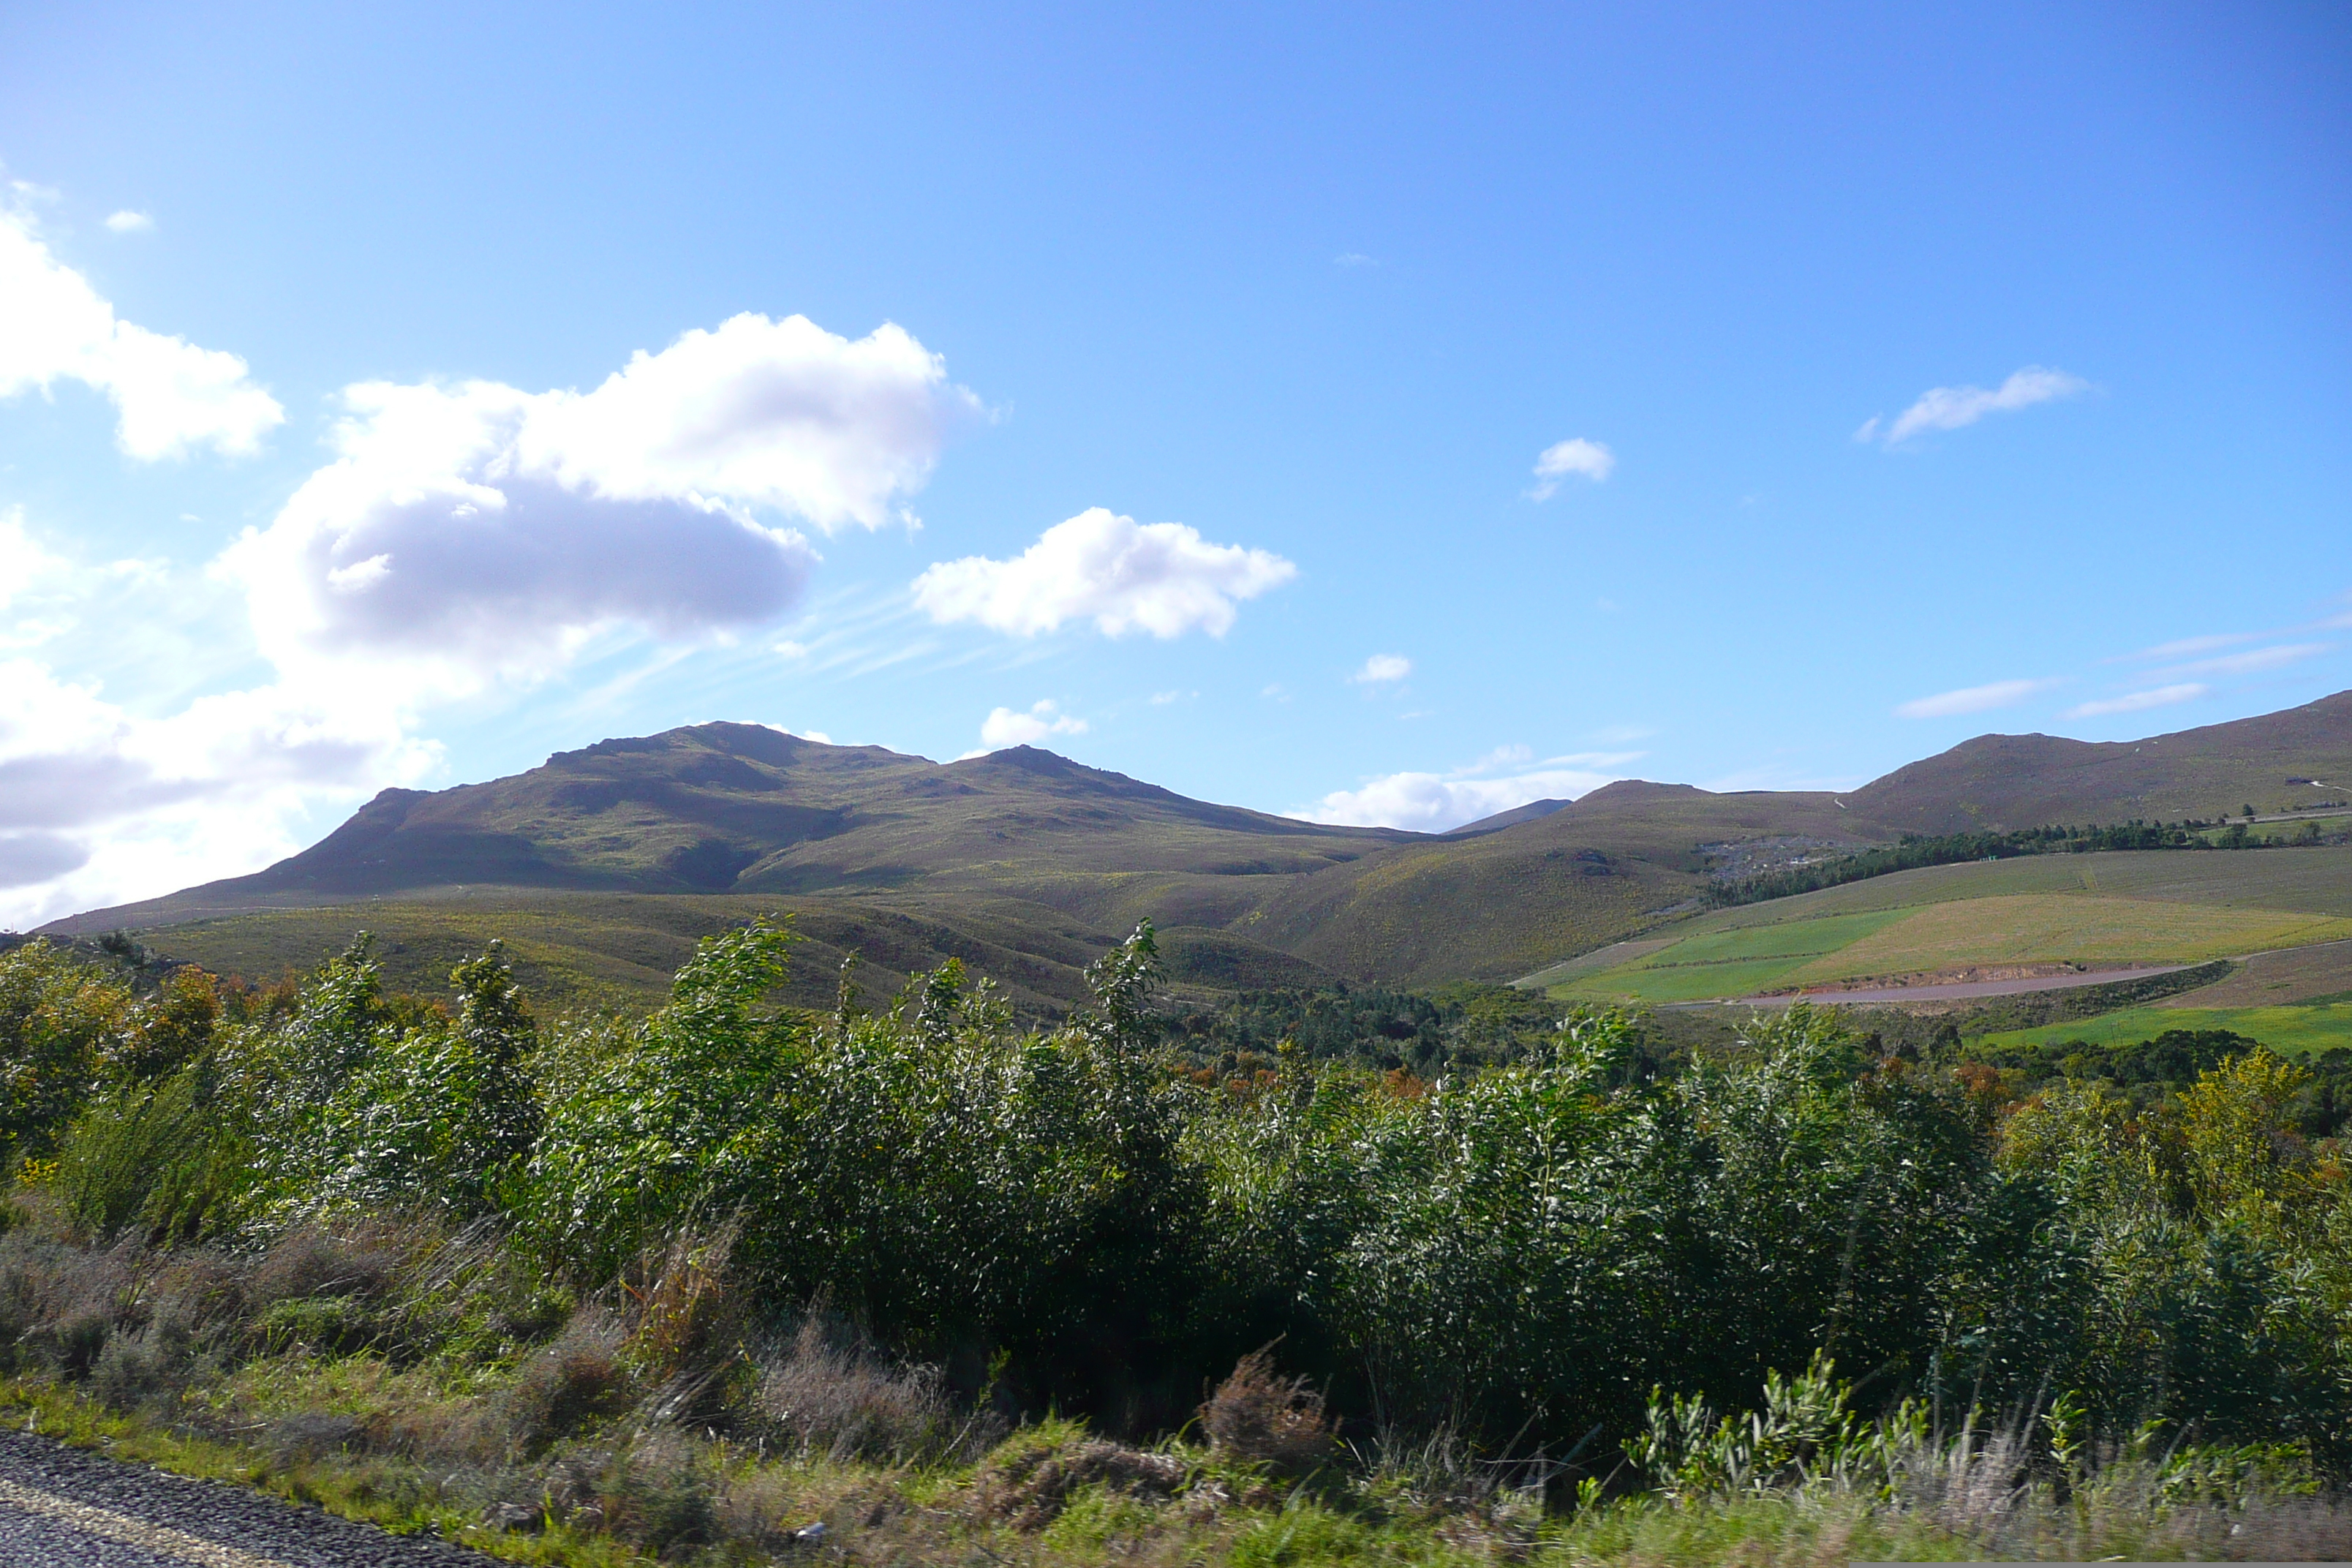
(1025,839)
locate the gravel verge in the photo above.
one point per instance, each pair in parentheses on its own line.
(48,1493)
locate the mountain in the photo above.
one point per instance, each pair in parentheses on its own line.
(607,861)
(2026,780)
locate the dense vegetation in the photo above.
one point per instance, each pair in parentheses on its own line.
(1518,1248)
(1913,850)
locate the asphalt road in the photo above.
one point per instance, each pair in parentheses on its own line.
(61,1505)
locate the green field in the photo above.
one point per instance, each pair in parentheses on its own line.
(2097,911)
(2290,1031)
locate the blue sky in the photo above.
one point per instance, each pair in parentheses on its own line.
(1377,413)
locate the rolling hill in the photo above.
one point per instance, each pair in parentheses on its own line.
(603,864)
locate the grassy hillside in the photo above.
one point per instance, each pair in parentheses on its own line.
(2290,1031)
(2028,780)
(1993,918)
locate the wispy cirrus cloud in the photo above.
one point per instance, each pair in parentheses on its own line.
(1971,698)
(2140,701)
(1957,407)
(2253,662)
(2183,648)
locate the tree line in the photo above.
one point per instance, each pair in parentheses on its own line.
(1092,1219)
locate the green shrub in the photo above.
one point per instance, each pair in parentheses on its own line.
(153,1160)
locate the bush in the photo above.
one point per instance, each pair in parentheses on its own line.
(152,1159)
(577,1378)
(842,1401)
(1258,1414)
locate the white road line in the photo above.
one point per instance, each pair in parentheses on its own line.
(122,1527)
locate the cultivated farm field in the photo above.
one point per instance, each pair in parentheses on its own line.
(2107,910)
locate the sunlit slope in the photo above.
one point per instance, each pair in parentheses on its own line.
(988,849)
(2030,781)
(738,808)
(2011,916)
(590,952)
(2307,1030)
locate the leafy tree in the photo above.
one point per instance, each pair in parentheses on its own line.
(57,1022)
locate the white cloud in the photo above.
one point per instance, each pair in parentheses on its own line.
(2183,646)
(169,395)
(2138,701)
(1006,727)
(25,564)
(1353,258)
(128,222)
(1577,455)
(97,804)
(1971,700)
(1432,803)
(2252,662)
(1163,699)
(465,532)
(1382,669)
(1500,757)
(1161,577)
(1954,407)
(777,415)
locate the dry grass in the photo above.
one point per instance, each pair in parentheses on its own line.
(1031,1476)
(1258,1414)
(576,1447)
(828,1396)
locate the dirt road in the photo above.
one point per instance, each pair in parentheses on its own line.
(1961,991)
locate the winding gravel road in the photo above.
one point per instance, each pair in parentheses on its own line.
(61,1505)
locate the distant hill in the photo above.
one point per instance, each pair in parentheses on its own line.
(604,856)
(2028,780)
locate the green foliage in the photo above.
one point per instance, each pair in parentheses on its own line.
(154,1159)
(935,1175)
(56,1019)
(1100,1218)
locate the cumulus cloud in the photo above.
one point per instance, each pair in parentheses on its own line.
(1382,668)
(128,222)
(2138,701)
(98,805)
(1006,727)
(1433,802)
(1578,455)
(1125,576)
(1956,407)
(170,396)
(102,801)
(1971,700)
(475,530)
